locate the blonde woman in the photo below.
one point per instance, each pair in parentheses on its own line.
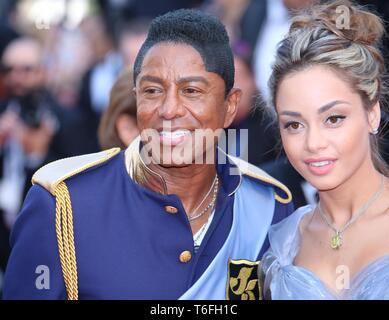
(326,85)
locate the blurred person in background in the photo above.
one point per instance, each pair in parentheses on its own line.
(7,34)
(34,129)
(131,37)
(26,128)
(230,13)
(250,117)
(118,126)
(99,79)
(68,55)
(27,121)
(263,26)
(254,116)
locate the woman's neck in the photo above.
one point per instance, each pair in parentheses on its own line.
(342,202)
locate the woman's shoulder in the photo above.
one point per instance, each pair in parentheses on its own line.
(284,236)
(291,223)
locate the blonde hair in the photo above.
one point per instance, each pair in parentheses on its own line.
(344,37)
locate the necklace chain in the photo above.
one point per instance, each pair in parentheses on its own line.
(215,187)
(200,232)
(337,239)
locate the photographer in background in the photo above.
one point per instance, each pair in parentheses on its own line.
(31,129)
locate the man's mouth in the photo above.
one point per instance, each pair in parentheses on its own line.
(173,138)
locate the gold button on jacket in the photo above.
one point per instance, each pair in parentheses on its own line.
(185,256)
(171,209)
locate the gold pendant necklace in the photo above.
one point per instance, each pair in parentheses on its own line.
(337,239)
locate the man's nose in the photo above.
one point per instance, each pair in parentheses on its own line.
(171,106)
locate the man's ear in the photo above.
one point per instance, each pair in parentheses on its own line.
(134,92)
(374,117)
(232,103)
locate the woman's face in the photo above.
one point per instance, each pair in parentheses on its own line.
(324,126)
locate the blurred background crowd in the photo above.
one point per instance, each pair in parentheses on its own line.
(66,82)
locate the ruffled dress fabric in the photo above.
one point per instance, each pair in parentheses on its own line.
(286,281)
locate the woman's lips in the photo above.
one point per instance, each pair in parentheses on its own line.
(320,167)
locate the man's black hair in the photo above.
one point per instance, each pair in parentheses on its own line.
(203,32)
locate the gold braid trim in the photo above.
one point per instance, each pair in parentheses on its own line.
(65,239)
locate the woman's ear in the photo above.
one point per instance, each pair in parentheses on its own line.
(232,102)
(374,118)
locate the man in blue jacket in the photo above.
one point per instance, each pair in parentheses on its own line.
(159,220)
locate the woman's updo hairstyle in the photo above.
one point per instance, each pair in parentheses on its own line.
(344,37)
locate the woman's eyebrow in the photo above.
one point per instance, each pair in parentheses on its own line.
(329,105)
(322,109)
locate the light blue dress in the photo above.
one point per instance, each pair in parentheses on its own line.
(287,281)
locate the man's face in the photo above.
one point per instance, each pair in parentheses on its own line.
(22,70)
(176,95)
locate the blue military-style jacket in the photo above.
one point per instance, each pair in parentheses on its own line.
(88,231)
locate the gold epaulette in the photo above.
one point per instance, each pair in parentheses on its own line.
(257,173)
(52,177)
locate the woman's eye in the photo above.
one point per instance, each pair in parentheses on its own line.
(336,119)
(292,126)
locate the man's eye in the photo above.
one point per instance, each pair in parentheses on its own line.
(151,91)
(335,119)
(191,91)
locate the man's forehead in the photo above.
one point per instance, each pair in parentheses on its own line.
(177,62)
(172,60)
(173,53)
(177,75)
